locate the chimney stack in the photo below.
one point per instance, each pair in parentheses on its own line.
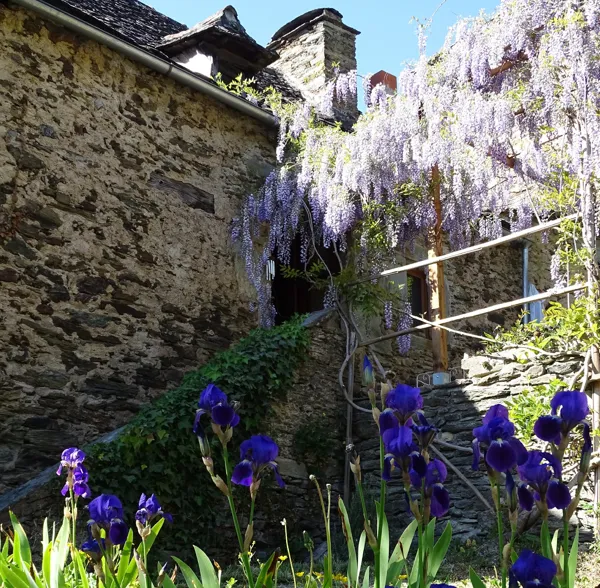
(308,46)
(387,79)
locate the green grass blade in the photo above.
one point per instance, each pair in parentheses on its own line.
(265,570)
(362,542)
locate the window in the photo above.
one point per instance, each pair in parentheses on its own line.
(417,294)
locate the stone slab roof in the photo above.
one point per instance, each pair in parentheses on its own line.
(145,27)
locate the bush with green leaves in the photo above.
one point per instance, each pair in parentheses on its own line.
(156,451)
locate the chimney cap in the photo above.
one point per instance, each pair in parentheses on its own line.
(308,18)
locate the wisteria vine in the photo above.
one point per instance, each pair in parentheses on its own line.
(507,105)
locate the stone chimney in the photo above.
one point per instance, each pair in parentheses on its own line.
(387,79)
(308,46)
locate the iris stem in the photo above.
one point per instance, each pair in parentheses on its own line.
(361,494)
(420,549)
(566,547)
(329,570)
(74,531)
(289,554)
(382,510)
(500,534)
(251,519)
(236,522)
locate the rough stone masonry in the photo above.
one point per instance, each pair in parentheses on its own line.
(117,187)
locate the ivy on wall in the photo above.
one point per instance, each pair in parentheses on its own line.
(157,452)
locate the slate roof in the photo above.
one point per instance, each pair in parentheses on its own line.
(145,27)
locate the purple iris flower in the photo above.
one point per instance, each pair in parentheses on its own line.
(569,409)
(70,459)
(106,511)
(400,450)
(149,509)
(213,401)
(541,473)
(368,376)
(92,546)
(258,454)
(532,571)
(403,402)
(430,478)
(496,436)
(424,432)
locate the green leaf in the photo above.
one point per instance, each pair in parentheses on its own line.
(191,579)
(439,552)
(573,559)
(384,544)
(146,546)
(361,550)
(207,570)
(125,560)
(21,549)
(476,581)
(366,578)
(545,542)
(13,576)
(79,563)
(264,572)
(352,559)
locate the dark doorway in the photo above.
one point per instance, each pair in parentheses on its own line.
(297,295)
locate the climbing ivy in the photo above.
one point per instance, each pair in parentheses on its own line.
(157,452)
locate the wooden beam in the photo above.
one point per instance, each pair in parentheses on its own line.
(467,250)
(436,284)
(476,313)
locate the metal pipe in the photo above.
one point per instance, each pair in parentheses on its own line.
(147,59)
(475,313)
(349,418)
(474,249)
(525,279)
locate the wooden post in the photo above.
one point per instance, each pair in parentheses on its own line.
(437,292)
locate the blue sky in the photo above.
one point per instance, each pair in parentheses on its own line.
(387,38)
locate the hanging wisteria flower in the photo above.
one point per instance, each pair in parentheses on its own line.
(569,409)
(77,475)
(368,377)
(150,509)
(213,401)
(532,571)
(258,455)
(402,402)
(106,512)
(496,437)
(542,473)
(430,478)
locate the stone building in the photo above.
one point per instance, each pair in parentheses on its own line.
(122,164)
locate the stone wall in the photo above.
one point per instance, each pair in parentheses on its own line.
(456,409)
(117,187)
(474,281)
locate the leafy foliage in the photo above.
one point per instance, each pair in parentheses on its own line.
(562,329)
(157,452)
(527,406)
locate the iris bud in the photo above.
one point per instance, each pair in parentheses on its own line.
(220,484)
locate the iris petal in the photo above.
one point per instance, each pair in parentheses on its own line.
(498,410)
(532,569)
(501,456)
(278,477)
(118,532)
(476,455)
(558,494)
(387,421)
(440,501)
(525,498)
(222,414)
(573,407)
(242,473)
(547,428)
(210,397)
(520,450)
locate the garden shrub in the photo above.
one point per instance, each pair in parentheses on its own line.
(157,452)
